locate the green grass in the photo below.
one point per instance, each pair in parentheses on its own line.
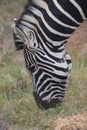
(17,105)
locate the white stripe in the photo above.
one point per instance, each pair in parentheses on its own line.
(49,96)
(78,8)
(43,5)
(39,14)
(55,87)
(58,96)
(39,80)
(33,20)
(52,86)
(18,40)
(64,12)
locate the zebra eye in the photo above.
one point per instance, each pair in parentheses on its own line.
(31,36)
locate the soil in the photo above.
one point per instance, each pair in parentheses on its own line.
(77,122)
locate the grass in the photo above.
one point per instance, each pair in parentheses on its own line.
(17,105)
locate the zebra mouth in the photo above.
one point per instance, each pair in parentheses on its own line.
(44,104)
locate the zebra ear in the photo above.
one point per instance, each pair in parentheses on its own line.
(15,20)
(19,44)
(19,38)
(14,24)
(21,35)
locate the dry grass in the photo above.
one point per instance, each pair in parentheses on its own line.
(76,122)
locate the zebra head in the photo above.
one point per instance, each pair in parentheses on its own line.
(49,73)
(44,52)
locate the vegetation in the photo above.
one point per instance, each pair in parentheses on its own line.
(17,105)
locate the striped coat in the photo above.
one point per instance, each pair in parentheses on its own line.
(42,32)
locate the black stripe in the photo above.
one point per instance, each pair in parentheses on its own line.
(56,12)
(71,9)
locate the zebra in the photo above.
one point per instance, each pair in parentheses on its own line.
(42,32)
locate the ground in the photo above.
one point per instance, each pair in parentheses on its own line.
(76,122)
